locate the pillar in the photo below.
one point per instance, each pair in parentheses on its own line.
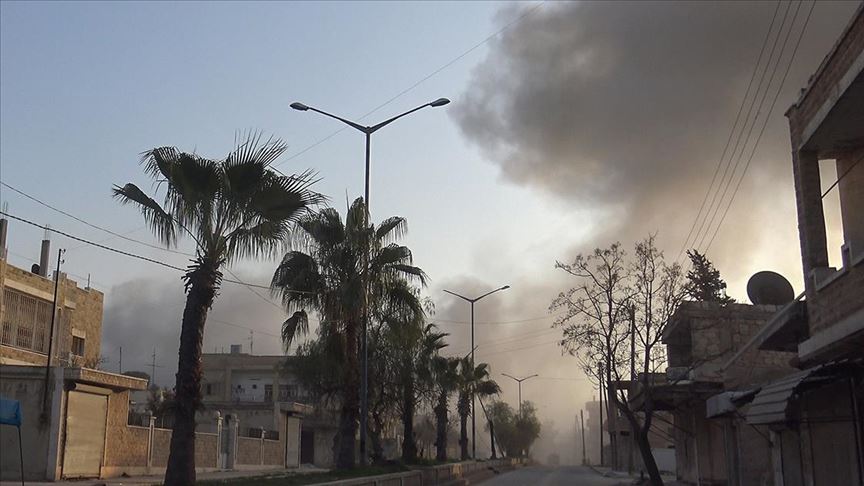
(851,189)
(150,433)
(811,217)
(220,462)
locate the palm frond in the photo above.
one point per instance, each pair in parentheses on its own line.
(159,221)
(294,326)
(391,229)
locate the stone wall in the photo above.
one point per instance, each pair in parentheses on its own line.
(273,453)
(206,450)
(248,450)
(125,445)
(161,447)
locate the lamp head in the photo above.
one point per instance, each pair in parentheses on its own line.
(299,106)
(439,102)
(505,287)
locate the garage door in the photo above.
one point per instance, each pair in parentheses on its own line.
(85,434)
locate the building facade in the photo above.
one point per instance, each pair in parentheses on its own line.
(26,301)
(256,391)
(814,414)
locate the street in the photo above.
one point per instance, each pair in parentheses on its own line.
(552,476)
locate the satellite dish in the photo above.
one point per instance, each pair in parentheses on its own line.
(769,288)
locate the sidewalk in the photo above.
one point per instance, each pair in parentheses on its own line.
(628,479)
(156,480)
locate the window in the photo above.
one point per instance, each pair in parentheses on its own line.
(77,346)
(26,321)
(208,389)
(268,393)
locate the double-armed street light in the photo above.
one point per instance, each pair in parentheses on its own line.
(473,405)
(368,131)
(520,380)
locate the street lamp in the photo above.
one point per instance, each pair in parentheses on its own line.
(473,405)
(368,131)
(520,380)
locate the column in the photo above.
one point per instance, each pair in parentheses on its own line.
(811,217)
(152,425)
(850,167)
(220,462)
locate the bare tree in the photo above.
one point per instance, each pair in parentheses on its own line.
(613,321)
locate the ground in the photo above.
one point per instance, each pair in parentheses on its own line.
(552,476)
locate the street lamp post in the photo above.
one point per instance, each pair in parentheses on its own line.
(520,380)
(368,131)
(473,405)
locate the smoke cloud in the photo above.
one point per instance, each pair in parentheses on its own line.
(625,108)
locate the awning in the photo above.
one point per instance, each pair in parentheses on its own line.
(771,405)
(728,402)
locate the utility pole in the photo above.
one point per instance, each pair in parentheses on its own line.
(51,332)
(632,343)
(121,360)
(473,347)
(153,368)
(582,420)
(251,342)
(520,380)
(601,413)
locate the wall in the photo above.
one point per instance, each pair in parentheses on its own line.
(26,385)
(699,446)
(83,305)
(248,450)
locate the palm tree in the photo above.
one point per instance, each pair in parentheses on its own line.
(325,272)
(445,372)
(231,208)
(415,353)
(473,381)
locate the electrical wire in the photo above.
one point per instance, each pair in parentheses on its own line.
(520,18)
(732,132)
(708,221)
(133,255)
(764,125)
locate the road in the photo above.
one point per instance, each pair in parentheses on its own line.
(552,476)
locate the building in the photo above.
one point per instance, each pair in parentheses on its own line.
(713,447)
(26,299)
(814,414)
(76,418)
(256,391)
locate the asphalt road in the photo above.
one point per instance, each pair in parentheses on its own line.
(551,476)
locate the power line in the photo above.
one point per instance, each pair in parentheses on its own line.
(543,318)
(713,210)
(100,228)
(765,123)
(133,255)
(421,81)
(734,128)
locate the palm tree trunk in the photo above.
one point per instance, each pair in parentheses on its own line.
(345,457)
(201,284)
(463,436)
(441,428)
(409,445)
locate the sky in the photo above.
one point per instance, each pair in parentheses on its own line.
(572,125)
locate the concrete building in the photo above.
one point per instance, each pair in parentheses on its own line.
(26,299)
(257,391)
(713,447)
(814,414)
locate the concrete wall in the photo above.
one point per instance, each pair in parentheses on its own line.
(38,433)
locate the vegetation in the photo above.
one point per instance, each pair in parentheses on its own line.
(231,208)
(612,321)
(515,432)
(473,381)
(327,271)
(703,281)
